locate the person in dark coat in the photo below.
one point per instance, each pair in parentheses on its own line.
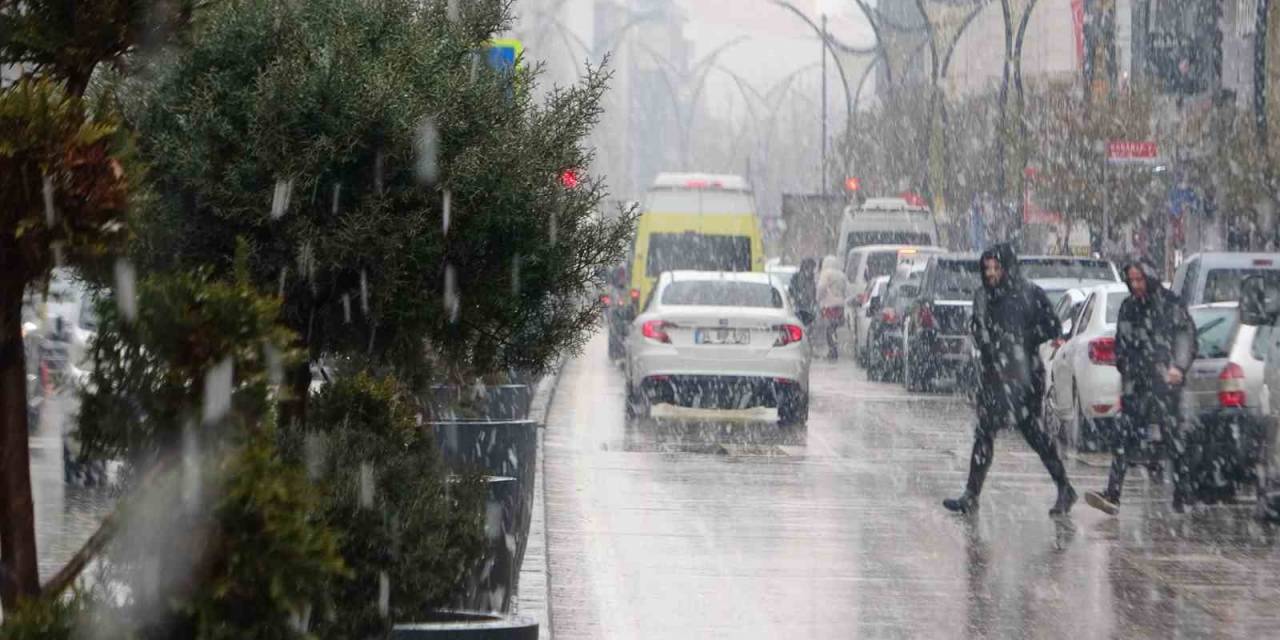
(1155,346)
(1011,318)
(804,291)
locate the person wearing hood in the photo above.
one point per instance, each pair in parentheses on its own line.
(833,293)
(1155,346)
(1011,318)
(804,292)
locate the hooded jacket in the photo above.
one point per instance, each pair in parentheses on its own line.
(833,286)
(1010,321)
(1154,333)
(803,290)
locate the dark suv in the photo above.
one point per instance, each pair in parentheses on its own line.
(935,327)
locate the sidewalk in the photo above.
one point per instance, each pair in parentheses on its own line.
(532,588)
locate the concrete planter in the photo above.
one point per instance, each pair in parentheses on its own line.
(456,625)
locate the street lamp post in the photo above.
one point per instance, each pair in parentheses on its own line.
(823,50)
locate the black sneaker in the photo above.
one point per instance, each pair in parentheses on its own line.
(1103,502)
(963,504)
(1066,498)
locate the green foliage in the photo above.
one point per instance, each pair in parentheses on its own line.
(148,378)
(325,101)
(271,561)
(43,619)
(48,137)
(420,531)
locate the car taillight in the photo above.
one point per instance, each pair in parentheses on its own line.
(1231,387)
(925,317)
(656,330)
(788,334)
(606,300)
(889,316)
(635,295)
(1102,351)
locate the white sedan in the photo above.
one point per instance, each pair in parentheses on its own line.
(719,340)
(1083,398)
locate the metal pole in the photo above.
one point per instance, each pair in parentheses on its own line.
(824,104)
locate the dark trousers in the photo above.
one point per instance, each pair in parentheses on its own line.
(1019,407)
(1140,409)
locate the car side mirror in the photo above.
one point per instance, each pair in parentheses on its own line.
(1259,301)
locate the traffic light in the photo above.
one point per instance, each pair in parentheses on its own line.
(852,185)
(570,179)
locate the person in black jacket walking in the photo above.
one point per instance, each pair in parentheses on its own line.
(1155,346)
(1011,318)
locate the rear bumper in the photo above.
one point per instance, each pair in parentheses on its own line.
(1240,434)
(718,391)
(942,350)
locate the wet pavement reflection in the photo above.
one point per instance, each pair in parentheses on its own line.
(67,513)
(698,525)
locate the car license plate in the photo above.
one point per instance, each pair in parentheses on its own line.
(722,336)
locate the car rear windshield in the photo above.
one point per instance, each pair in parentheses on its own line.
(717,293)
(955,279)
(1214,329)
(1223,285)
(1114,300)
(881,263)
(864,238)
(697,252)
(1037,268)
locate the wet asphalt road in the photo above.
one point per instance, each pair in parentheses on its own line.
(706,525)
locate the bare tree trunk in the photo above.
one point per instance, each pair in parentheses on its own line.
(19,573)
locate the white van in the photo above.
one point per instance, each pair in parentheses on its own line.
(885,221)
(1215,277)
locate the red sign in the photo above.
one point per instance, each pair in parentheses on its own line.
(1131,150)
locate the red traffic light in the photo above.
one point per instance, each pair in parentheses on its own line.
(569,178)
(852,184)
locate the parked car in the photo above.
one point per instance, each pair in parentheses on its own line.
(867,263)
(884,335)
(1216,277)
(1065,309)
(1225,398)
(719,340)
(936,338)
(1260,305)
(1082,390)
(870,301)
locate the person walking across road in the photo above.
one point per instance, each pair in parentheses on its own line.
(804,292)
(1155,346)
(833,293)
(1011,318)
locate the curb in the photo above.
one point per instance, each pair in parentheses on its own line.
(539,605)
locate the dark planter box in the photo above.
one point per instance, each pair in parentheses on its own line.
(497,402)
(507,453)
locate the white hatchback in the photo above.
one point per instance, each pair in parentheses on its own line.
(1083,398)
(719,340)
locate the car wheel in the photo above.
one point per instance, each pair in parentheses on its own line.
(793,409)
(1079,425)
